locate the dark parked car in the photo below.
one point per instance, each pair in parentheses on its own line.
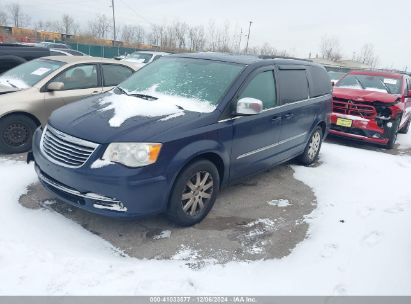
(169,137)
(12,55)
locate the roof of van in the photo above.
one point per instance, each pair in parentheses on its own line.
(243,59)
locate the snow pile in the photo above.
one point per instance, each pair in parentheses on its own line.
(282,203)
(100,163)
(358,242)
(166,234)
(405,141)
(170,106)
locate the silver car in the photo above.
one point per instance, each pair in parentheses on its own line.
(31,91)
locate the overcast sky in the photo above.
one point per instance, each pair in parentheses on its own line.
(294,25)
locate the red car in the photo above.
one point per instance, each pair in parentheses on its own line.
(372,106)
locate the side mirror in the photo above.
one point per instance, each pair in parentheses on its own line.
(333,83)
(249,106)
(55,86)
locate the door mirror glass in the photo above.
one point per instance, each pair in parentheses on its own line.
(55,86)
(249,106)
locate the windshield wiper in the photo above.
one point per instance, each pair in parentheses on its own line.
(10,83)
(385,86)
(360,83)
(122,91)
(144,96)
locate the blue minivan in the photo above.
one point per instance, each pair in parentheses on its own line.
(169,137)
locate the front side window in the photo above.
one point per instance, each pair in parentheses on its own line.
(28,74)
(293,85)
(371,83)
(198,79)
(79,77)
(262,87)
(114,74)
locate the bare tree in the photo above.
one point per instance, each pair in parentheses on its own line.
(3,17)
(330,48)
(132,34)
(181,31)
(197,38)
(367,56)
(17,16)
(100,26)
(69,26)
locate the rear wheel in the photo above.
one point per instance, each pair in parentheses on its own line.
(16,132)
(194,193)
(313,147)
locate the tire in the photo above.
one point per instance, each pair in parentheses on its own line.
(312,150)
(199,182)
(406,127)
(16,132)
(392,137)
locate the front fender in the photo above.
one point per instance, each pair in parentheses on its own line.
(195,150)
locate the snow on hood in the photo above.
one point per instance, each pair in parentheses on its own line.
(166,106)
(15,83)
(364,95)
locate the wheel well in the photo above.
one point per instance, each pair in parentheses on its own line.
(212,157)
(32,117)
(323,126)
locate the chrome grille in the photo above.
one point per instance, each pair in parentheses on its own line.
(64,149)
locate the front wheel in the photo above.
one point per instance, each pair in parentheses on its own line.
(313,147)
(16,132)
(194,193)
(392,137)
(406,127)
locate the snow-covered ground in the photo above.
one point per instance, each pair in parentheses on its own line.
(358,241)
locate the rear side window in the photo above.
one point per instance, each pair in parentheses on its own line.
(262,87)
(115,74)
(293,85)
(320,84)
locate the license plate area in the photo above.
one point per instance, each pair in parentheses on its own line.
(343,122)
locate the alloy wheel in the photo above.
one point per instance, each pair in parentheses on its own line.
(197,193)
(314,145)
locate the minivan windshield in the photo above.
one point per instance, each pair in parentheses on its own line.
(204,80)
(28,74)
(371,83)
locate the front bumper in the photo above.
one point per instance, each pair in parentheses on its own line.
(114,190)
(361,129)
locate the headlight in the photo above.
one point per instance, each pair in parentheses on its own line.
(132,154)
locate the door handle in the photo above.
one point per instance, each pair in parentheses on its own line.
(288,116)
(96,92)
(276,118)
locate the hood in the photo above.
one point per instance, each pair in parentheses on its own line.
(7,89)
(92,120)
(364,95)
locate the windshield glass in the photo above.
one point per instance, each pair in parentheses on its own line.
(203,80)
(335,76)
(142,57)
(371,83)
(28,74)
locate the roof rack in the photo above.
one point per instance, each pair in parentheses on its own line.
(282,57)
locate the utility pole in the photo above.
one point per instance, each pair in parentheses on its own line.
(114,22)
(239,43)
(248,36)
